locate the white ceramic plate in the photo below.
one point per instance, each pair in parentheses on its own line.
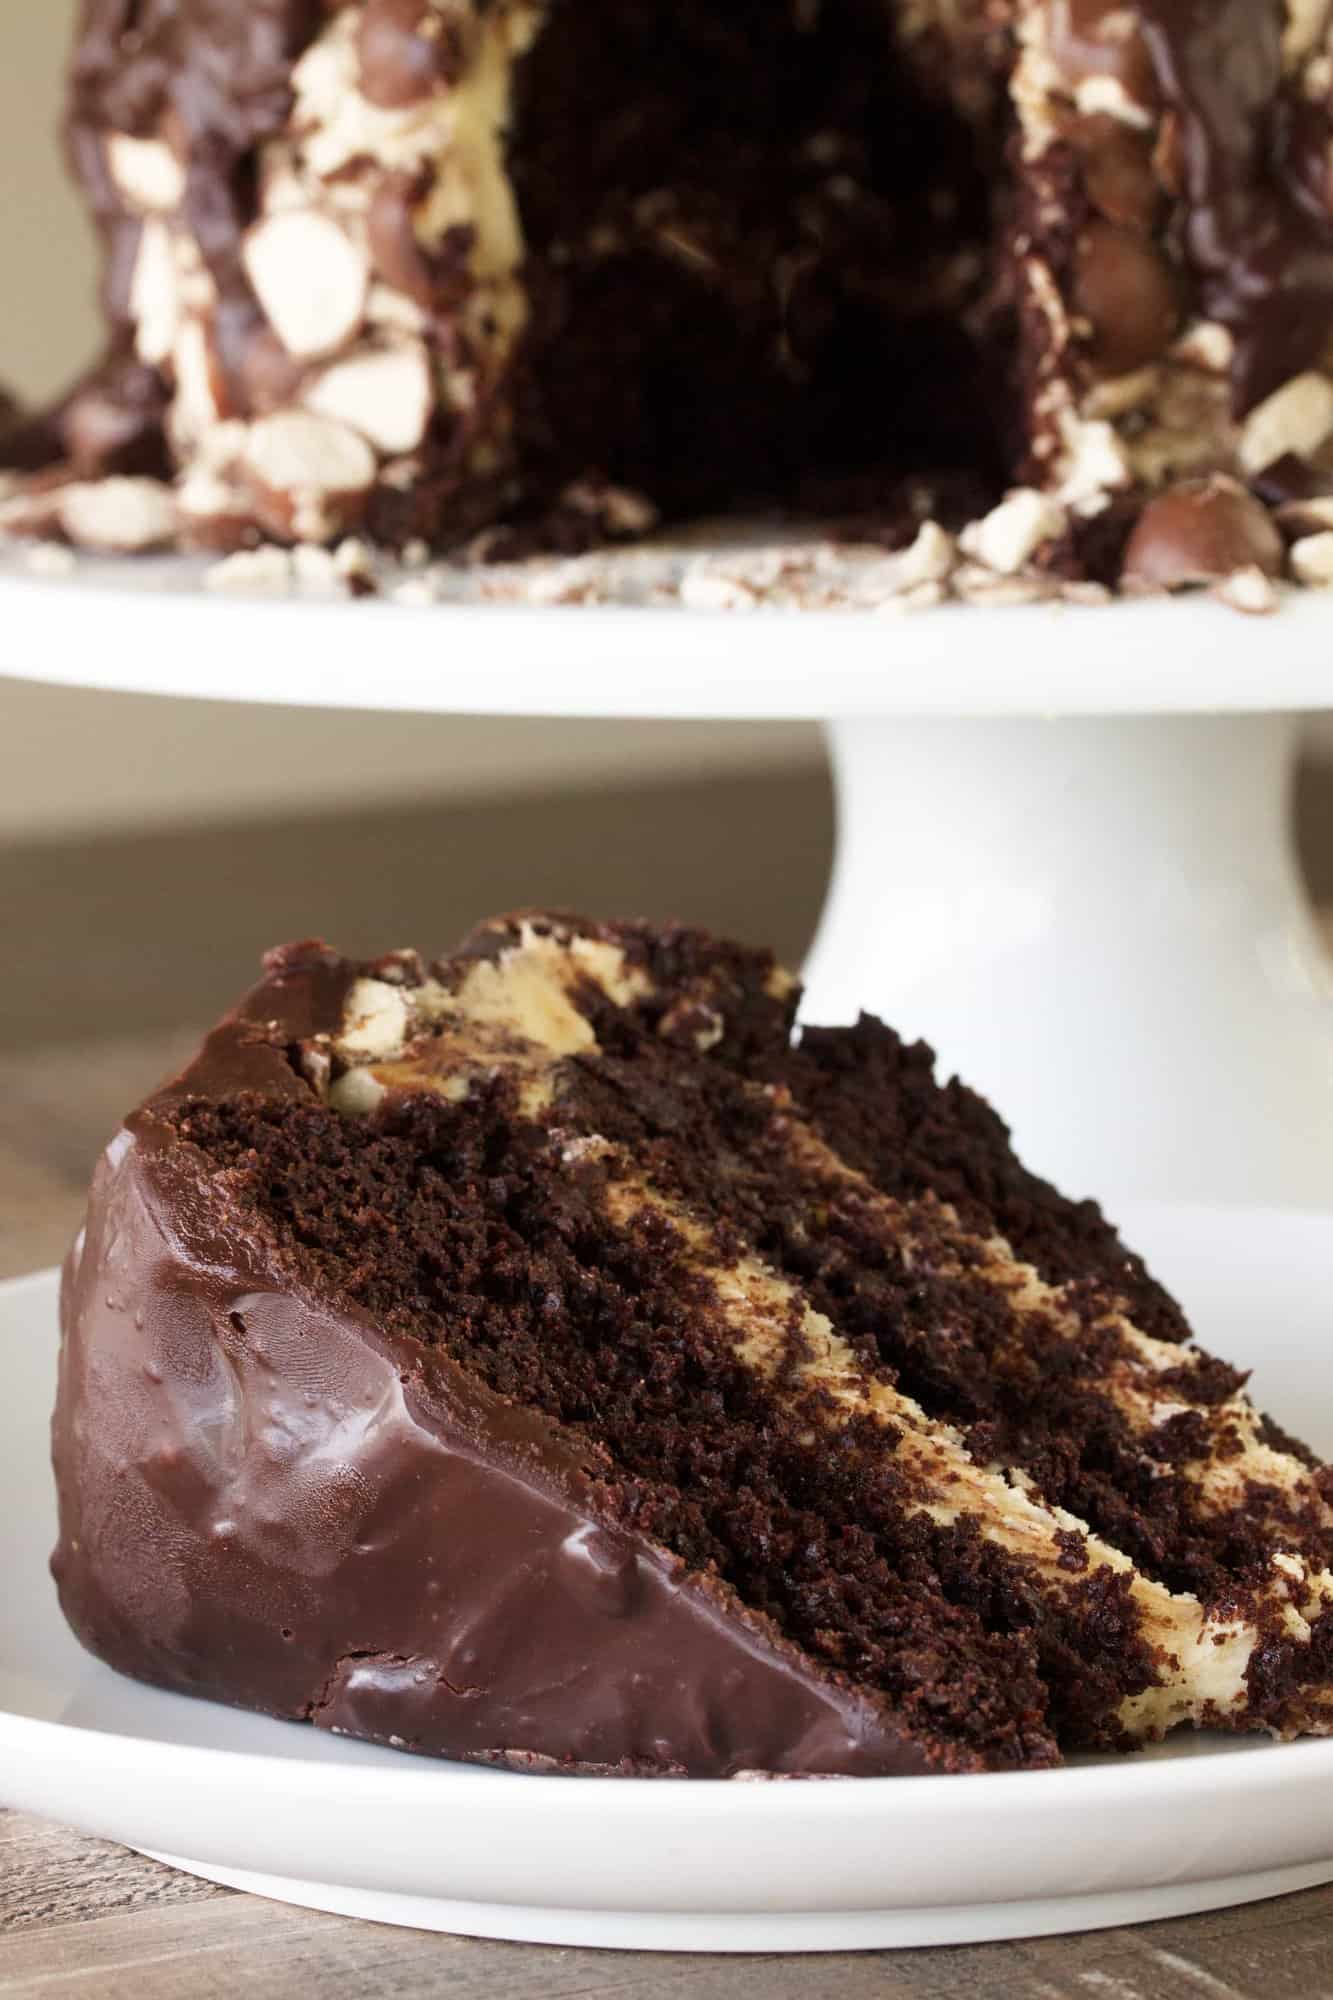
(297,1815)
(149,626)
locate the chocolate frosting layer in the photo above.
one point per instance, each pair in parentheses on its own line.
(266,1501)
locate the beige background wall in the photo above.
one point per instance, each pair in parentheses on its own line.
(47,323)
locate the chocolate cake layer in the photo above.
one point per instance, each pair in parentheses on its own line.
(541,1359)
(415,268)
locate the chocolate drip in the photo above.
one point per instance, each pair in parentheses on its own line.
(1259,247)
(218,79)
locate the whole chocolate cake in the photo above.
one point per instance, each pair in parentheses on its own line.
(409,268)
(544,1359)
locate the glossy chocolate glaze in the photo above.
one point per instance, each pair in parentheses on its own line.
(112,420)
(217,80)
(1247,153)
(265,1501)
(1262,253)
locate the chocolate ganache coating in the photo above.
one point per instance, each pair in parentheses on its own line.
(218,79)
(1260,247)
(1244,149)
(268,1500)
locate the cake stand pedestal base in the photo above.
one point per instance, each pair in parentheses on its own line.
(1099,923)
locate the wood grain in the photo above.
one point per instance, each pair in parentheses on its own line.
(83,1920)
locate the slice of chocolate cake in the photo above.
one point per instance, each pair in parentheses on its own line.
(413,268)
(544,1359)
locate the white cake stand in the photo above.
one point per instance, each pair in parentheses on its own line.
(1063,851)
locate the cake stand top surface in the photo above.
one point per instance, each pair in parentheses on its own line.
(149,625)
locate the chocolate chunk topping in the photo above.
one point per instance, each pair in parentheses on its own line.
(1263,260)
(1199,532)
(1118,174)
(140,68)
(1128,292)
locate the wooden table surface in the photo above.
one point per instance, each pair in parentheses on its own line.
(82,1918)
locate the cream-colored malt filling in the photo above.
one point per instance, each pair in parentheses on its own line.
(528,1017)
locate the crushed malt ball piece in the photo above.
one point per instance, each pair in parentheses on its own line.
(1198,533)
